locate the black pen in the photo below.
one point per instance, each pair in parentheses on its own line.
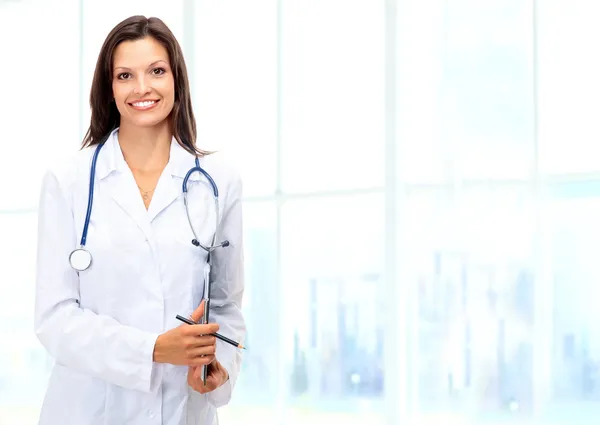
(216,335)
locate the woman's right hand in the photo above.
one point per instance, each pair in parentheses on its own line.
(187,345)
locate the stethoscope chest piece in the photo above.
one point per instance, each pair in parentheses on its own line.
(80,259)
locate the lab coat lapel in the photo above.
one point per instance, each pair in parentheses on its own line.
(120,184)
(124,192)
(167,191)
(170,185)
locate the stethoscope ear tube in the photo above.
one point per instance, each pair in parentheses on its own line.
(88,213)
(196,241)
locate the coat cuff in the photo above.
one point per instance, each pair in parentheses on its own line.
(152,374)
(222,395)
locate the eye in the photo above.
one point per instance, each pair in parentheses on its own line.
(124,76)
(158,71)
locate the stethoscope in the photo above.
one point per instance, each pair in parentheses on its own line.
(81,258)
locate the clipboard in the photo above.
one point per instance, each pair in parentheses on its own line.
(206,316)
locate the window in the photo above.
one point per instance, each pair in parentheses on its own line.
(332,95)
(40,122)
(260,307)
(473,268)
(576,239)
(25,365)
(465,82)
(568,86)
(332,282)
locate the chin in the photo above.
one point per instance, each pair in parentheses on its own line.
(148,122)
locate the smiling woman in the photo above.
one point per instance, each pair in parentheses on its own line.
(139,63)
(121,355)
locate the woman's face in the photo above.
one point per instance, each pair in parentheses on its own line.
(143,84)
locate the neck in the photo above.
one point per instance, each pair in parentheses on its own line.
(145,149)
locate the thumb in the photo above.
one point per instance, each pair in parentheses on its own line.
(198,313)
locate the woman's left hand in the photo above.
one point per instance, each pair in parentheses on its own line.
(217,376)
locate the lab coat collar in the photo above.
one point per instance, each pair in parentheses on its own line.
(122,185)
(181,161)
(111,159)
(107,158)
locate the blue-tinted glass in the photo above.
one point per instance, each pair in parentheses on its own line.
(333,297)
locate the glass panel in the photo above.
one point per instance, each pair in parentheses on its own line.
(569,87)
(332,94)
(471,258)
(24,364)
(465,90)
(422,156)
(576,340)
(486,103)
(234,82)
(332,278)
(260,311)
(40,80)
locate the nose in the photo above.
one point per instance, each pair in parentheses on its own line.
(141,88)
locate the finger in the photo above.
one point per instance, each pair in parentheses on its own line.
(208,329)
(211,383)
(195,341)
(201,351)
(198,313)
(198,385)
(202,361)
(201,388)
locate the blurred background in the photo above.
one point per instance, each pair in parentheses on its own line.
(422,194)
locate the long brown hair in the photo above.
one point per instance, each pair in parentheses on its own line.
(105,115)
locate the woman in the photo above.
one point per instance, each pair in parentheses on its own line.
(121,355)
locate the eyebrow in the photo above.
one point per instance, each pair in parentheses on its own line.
(149,66)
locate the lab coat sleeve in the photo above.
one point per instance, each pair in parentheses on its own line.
(226,294)
(77,338)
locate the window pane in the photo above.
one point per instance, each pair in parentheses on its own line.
(486,97)
(576,342)
(332,278)
(260,311)
(465,90)
(471,259)
(332,94)
(234,84)
(569,87)
(40,79)
(24,364)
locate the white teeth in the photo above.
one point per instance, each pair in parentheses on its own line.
(144,104)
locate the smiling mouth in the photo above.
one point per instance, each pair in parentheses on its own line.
(144,104)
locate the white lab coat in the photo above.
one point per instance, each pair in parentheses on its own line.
(100,325)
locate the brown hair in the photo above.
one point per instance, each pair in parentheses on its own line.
(105,115)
